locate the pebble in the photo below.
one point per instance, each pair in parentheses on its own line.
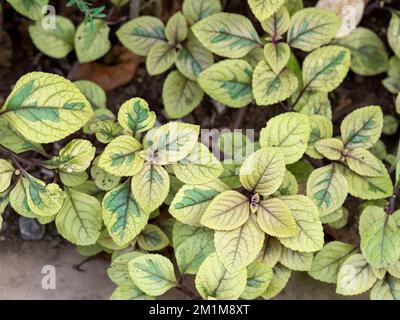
(31,229)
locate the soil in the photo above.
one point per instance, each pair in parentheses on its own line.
(18,56)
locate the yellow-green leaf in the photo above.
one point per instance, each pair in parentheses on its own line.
(228,211)
(289,132)
(277,55)
(363,162)
(45,107)
(263,9)
(270,252)
(263,171)
(176,30)
(310,235)
(270,87)
(239,247)
(228,82)
(227,34)
(214,281)
(259,277)
(180,95)
(122,215)
(326,264)
(320,128)
(106,130)
(160,58)
(294,260)
(200,166)
(362,128)
(324,69)
(386,289)
(280,278)
(152,238)
(141,34)
(91,41)
(120,157)
(191,201)
(150,186)
(129,291)
(327,187)
(6,173)
(330,148)
(277,24)
(311,28)
(73,179)
(355,276)
(195,10)
(33,9)
(314,103)
(380,240)
(152,273)
(135,116)
(172,142)
(393,32)
(102,179)
(79,220)
(19,200)
(56,42)
(93,92)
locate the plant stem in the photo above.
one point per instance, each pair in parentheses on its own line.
(187,292)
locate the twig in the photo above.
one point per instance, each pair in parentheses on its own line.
(241,113)
(187,292)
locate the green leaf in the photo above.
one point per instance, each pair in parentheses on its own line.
(259,277)
(29,8)
(294,260)
(280,278)
(76,156)
(338,224)
(180,95)
(122,215)
(394,269)
(227,34)
(12,140)
(176,30)
(293,6)
(135,116)
(314,103)
(191,201)
(325,68)
(277,24)
(60,36)
(6,173)
(45,107)
(120,157)
(191,253)
(334,216)
(19,200)
(239,247)
(327,187)
(228,211)
(363,162)
(368,188)
(330,148)
(182,232)
(171,143)
(129,291)
(386,289)
(214,281)
(263,9)
(73,179)
(91,42)
(368,52)
(270,252)
(152,273)
(228,82)
(277,55)
(161,57)
(141,34)
(289,132)
(263,171)
(310,236)
(192,58)
(93,92)
(362,128)
(150,186)
(152,238)
(44,200)
(102,179)
(380,241)
(79,220)
(199,167)
(289,185)
(311,28)
(320,128)
(254,57)
(393,32)
(270,87)
(195,10)
(355,276)
(275,218)
(326,264)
